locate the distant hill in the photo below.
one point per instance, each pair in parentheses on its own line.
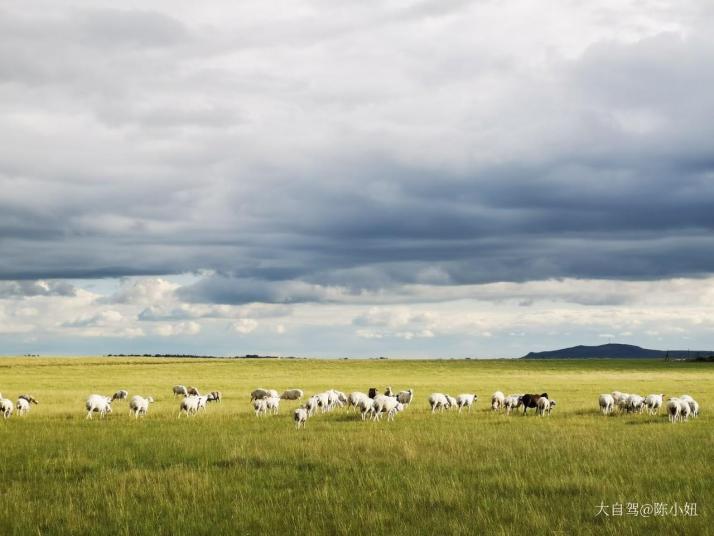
(615,351)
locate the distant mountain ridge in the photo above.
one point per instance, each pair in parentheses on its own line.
(614,351)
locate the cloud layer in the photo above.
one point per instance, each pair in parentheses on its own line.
(335,153)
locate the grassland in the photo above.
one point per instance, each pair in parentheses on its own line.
(227,472)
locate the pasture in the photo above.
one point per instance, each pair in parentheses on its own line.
(227,472)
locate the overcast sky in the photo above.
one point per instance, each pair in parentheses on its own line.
(328,178)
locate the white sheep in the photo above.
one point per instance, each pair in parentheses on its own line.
(333,399)
(452,401)
(653,403)
(405,397)
(607,403)
(543,406)
(23,406)
(292,394)
(386,404)
(623,402)
(693,404)
(552,404)
(31,399)
(438,401)
(138,405)
(272,404)
(323,401)
(497,400)
(6,407)
(354,398)
(202,401)
(260,406)
(366,407)
(189,406)
(180,390)
(98,404)
(300,417)
(675,406)
(635,403)
(466,400)
(311,405)
(620,400)
(511,402)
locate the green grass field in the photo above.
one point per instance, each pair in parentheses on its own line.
(228,472)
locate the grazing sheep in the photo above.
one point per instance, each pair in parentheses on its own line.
(372,392)
(553,403)
(138,405)
(623,402)
(653,403)
(193,391)
(635,403)
(31,399)
(466,401)
(606,403)
(620,399)
(23,406)
(311,405)
(214,396)
(180,390)
(272,404)
(405,397)
(438,401)
(511,402)
(259,394)
(98,404)
(300,417)
(323,401)
(678,410)
(497,400)
(542,406)
(6,407)
(693,404)
(189,406)
(452,401)
(388,391)
(333,399)
(120,395)
(354,398)
(366,407)
(530,401)
(292,394)
(386,404)
(260,406)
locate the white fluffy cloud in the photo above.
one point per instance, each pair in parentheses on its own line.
(245,325)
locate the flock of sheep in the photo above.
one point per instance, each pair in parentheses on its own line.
(541,402)
(372,405)
(678,408)
(23,405)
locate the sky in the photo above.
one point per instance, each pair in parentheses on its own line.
(329,178)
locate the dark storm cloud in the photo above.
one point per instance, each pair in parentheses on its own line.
(151,145)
